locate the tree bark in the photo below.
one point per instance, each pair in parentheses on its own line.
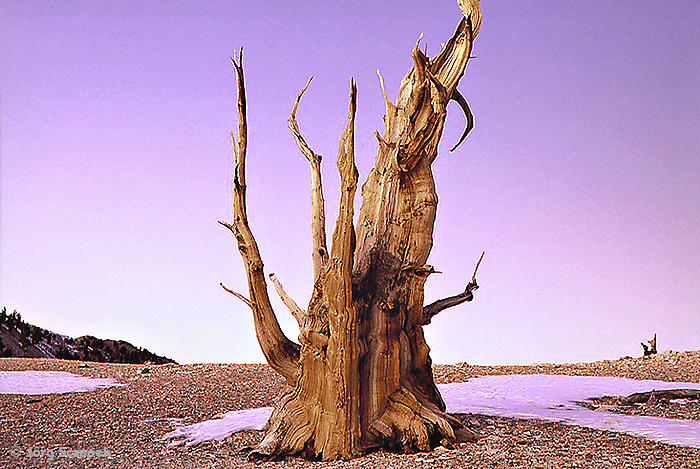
(361,376)
(402,407)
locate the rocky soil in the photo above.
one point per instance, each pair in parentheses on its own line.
(129,421)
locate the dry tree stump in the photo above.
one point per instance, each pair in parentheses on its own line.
(361,376)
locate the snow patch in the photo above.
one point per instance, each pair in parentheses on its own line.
(218,429)
(679,401)
(44,348)
(49,382)
(552,398)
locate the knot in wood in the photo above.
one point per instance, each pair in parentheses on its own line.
(317,339)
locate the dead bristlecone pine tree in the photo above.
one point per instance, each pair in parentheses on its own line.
(361,376)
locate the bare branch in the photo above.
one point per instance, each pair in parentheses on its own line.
(294,308)
(387,101)
(420,61)
(433,308)
(238,295)
(319,252)
(242,147)
(477,267)
(281,353)
(294,127)
(348,174)
(440,305)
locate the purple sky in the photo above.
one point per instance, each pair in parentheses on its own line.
(580,180)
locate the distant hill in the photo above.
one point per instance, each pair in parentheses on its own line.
(19,339)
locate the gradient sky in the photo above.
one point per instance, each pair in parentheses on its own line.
(580,180)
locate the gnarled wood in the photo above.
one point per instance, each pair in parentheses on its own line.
(362,376)
(320,418)
(401,405)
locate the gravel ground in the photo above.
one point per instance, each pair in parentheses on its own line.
(128,421)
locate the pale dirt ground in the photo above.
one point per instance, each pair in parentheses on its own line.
(129,420)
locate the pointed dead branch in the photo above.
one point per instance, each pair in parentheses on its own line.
(343,245)
(387,101)
(420,61)
(281,353)
(238,295)
(319,252)
(348,170)
(293,307)
(478,263)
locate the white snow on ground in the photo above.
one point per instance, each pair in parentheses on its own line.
(546,397)
(49,382)
(551,398)
(223,426)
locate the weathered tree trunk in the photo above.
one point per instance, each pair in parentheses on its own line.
(361,377)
